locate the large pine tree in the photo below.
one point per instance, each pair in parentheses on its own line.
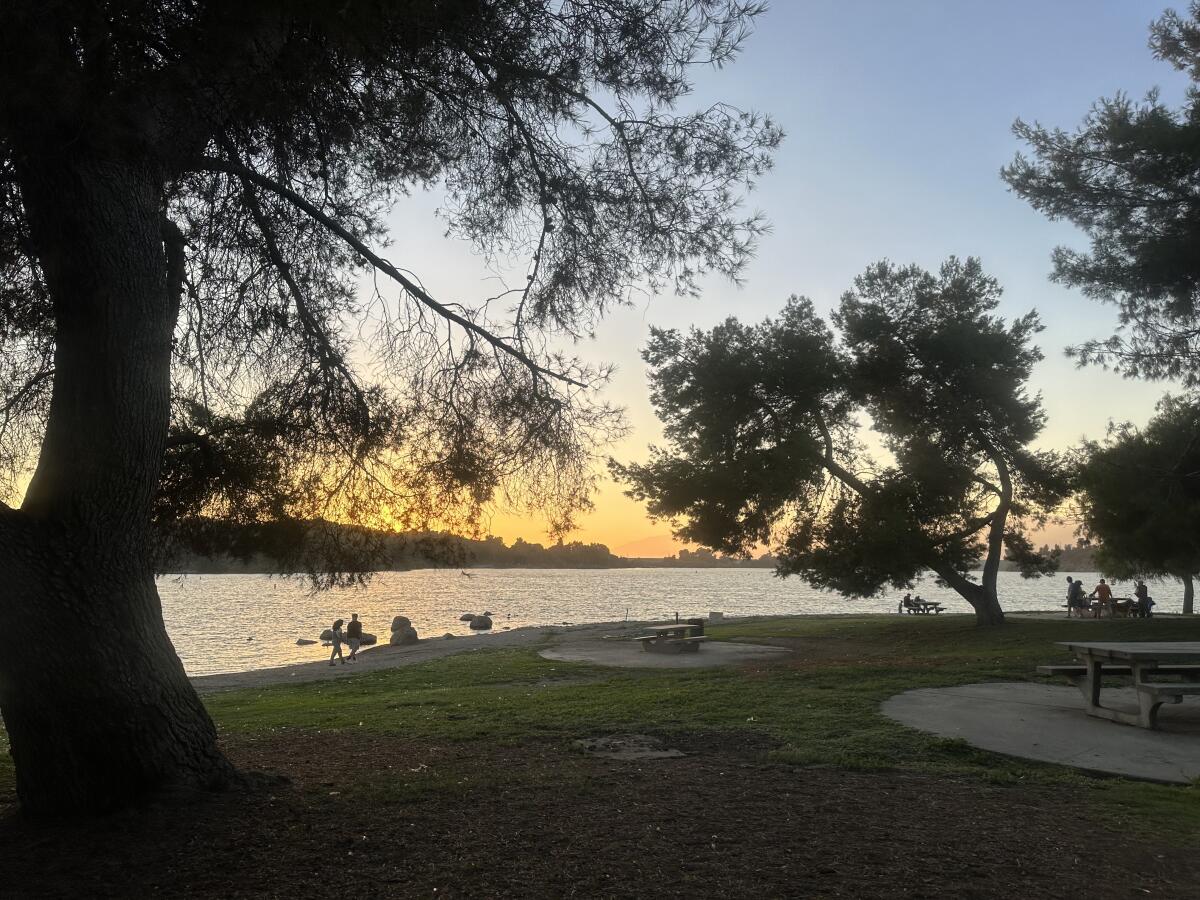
(764,443)
(189,193)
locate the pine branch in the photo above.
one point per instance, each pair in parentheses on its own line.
(212,164)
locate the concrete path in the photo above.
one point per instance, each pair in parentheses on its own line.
(625,653)
(1047,723)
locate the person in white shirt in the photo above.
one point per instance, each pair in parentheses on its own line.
(337,643)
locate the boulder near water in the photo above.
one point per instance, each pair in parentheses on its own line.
(402,632)
(304,642)
(481,623)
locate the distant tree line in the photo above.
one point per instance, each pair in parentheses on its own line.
(278,548)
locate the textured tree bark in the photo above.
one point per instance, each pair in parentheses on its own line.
(97,706)
(983,597)
(1189,594)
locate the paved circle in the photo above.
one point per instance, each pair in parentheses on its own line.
(1047,723)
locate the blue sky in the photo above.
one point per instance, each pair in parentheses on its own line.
(898,118)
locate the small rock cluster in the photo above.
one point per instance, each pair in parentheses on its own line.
(402,632)
(477,623)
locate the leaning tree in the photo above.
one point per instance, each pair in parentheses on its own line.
(1139,496)
(765,445)
(199,320)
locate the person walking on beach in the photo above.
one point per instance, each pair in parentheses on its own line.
(354,636)
(336,640)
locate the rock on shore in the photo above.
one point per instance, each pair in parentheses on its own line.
(402,632)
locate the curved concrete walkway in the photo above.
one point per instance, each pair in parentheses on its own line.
(628,654)
(1047,723)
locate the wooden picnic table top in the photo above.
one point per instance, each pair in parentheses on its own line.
(1135,650)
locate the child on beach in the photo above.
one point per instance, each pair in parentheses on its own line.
(336,640)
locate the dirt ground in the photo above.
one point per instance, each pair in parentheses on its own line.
(378,816)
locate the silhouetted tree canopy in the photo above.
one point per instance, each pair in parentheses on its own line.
(1127,177)
(200,321)
(765,447)
(312,376)
(1140,496)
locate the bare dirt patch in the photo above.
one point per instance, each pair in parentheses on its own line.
(385,817)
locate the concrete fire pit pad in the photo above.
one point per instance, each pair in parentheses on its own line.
(1047,723)
(627,654)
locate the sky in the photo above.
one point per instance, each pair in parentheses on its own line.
(898,116)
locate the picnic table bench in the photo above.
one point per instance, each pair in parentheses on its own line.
(679,637)
(1126,607)
(923,607)
(1148,662)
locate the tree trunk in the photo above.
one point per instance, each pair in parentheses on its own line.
(98,709)
(987,600)
(982,597)
(1189,593)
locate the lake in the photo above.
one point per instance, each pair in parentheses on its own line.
(231,623)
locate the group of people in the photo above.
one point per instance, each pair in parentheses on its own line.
(1078,601)
(352,636)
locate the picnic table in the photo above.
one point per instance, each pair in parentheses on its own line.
(920,607)
(1148,662)
(676,637)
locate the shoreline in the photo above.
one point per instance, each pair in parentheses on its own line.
(384,656)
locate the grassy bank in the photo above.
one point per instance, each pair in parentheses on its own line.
(458,778)
(818,708)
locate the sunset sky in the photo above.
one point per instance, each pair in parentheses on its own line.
(898,120)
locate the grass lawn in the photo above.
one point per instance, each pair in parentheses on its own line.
(499,724)
(819,709)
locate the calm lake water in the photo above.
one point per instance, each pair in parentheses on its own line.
(212,618)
